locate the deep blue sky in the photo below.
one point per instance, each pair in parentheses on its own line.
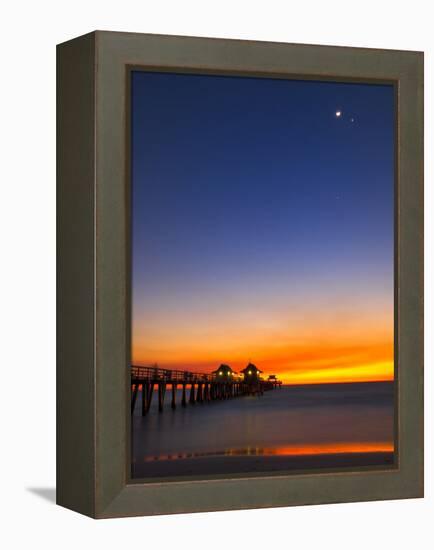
(254,182)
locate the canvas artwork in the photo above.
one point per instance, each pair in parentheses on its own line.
(262,275)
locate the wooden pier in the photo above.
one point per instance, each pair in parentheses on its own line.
(197,388)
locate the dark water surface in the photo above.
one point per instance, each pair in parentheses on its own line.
(296,427)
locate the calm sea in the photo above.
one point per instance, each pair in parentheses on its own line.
(294,421)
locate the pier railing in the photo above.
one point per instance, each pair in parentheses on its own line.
(157,374)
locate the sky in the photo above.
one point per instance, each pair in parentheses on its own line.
(262,226)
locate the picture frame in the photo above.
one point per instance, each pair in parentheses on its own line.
(93,278)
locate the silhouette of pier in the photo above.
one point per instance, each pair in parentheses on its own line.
(197,387)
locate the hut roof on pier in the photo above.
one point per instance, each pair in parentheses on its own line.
(252,368)
(224,369)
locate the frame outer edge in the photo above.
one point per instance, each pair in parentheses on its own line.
(411,275)
(75,403)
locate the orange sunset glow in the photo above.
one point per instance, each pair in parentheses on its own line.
(353,349)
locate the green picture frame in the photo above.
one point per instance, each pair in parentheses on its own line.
(93,386)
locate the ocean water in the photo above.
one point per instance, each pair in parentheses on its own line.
(291,421)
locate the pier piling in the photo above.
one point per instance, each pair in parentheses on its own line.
(174,388)
(199,396)
(135,389)
(192,399)
(161,395)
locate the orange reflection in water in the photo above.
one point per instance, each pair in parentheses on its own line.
(332,448)
(289,450)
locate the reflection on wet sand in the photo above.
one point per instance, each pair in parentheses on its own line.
(287,450)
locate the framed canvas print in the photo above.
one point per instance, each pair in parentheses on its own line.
(240,274)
